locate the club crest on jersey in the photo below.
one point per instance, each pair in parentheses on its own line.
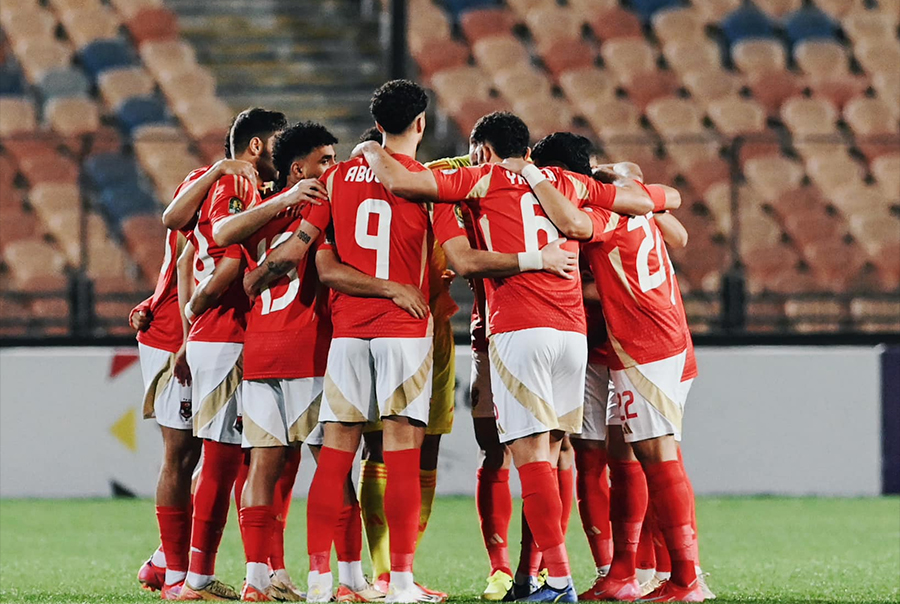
(235,205)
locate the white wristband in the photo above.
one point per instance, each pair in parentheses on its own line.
(189,313)
(530,261)
(533,175)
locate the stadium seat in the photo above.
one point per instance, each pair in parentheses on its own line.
(814,316)
(129,8)
(713,11)
(684,56)
(771,176)
(122,201)
(153,24)
(106,170)
(628,55)
(704,175)
(544,116)
(647,8)
(89,25)
(17,116)
(16,224)
(486,22)
(771,89)
(836,264)
(41,56)
(759,231)
(778,8)
(587,9)
(645,87)
(737,116)
(875,314)
(567,54)
(202,117)
(809,120)
(48,167)
(839,89)
(863,26)
(138,111)
(616,23)
(809,23)
(873,126)
(522,80)
(858,199)
(829,172)
(63,6)
(31,258)
(705,86)
(64,82)
(678,24)
(759,56)
(822,59)
(118,85)
(455,86)
(886,170)
(878,56)
(10,80)
(101,55)
(72,116)
(552,24)
(50,198)
(192,82)
(887,86)
(672,116)
(612,117)
(29,24)
(747,22)
(876,233)
(839,9)
(439,55)
(470,111)
(427,24)
(497,53)
(582,85)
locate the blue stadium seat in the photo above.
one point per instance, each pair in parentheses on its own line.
(140,111)
(101,55)
(106,170)
(747,22)
(810,23)
(645,9)
(10,81)
(64,82)
(126,200)
(458,6)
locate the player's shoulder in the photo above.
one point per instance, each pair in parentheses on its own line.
(235,185)
(195,174)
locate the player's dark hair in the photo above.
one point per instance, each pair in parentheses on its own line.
(371,134)
(566,150)
(255,122)
(296,142)
(396,104)
(505,131)
(605,176)
(228,142)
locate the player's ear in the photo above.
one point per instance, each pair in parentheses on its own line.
(420,123)
(487,153)
(297,171)
(527,153)
(379,128)
(256,146)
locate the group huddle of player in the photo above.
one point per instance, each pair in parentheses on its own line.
(302,300)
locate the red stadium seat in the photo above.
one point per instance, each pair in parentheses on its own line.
(486,22)
(644,88)
(703,175)
(442,54)
(472,109)
(49,167)
(566,55)
(616,23)
(153,24)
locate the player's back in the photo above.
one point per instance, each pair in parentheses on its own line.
(165,331)
(383,236)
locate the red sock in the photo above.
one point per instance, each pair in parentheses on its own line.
(284,493)
(627,506)
(239,481)
(695,550)
(348,536)
(646,550)
(663,560)
(592,487)
(566,480)
(671,499)
(175,535)
(543,509)
(494,503)
(221,463)
(259,523)
(530,554)
(402,506)
(324,504)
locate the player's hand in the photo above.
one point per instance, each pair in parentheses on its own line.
(140,320)
(308,190)
(514,164)
(182,371)
(447,278)
(558,261)
(237,167)
(628,169)
(361,148)
(409,298)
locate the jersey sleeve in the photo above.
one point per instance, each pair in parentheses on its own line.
(235,250)
(232,195)
(604,221)
(600,195)
(459,184)
(446,220)
(318,215)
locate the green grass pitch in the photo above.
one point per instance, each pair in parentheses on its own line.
(757,550)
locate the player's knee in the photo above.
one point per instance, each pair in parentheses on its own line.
(656,450)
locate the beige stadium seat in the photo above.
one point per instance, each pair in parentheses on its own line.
(17,116)
(814,316)
(822,59)
(808,118)
(584,85)
(707,86)
(839,9)
(678,24)
(204,116)
(129,8)
(673,116)
(887,85)
(867,26)
(755,56)
(856,199)
(759,231)
(544,116)
(586,10)
(72,116)
(521,81)
(167,169)
(195,81)
(40,56)
(875,232)
(875,315)
(688,154)
(870,117)
(523,7)
(85,26)
(551,24)
(778,8)
(889,11)
(166,55)
(830,172)
(28,24)
(684,56)
(51,199)
(714,11)
(63,6)
(612,117)
(878,56)
(628,55)
(455,86)
(118,85)
(737,116)
(771,176)
(497,53)
(886,170)
(29,259)
(426,28)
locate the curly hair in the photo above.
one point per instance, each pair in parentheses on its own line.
(371,134)
(396,104)
(252,123)
(296,142)
(505,131)
(566,150)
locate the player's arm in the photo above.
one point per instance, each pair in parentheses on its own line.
(139,318)
(187,200)
(281,259)
(211,289)
(590,291)
(238,227)
(395,177)
(185,283)
(673,231)
(347,280)
(470,263)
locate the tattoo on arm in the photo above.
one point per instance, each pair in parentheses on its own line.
(303,236)
(278,268)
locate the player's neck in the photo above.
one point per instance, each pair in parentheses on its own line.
(405,145)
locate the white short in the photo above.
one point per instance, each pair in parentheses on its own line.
(367,380)
(164,398)
(480,387)
(537,379)
(216,371)
(598,391)
(649,399)
(316,438)
(278,413)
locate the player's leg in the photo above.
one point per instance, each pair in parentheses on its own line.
(372,483)
(565,476)
(284,495)
(258,514)
(353,584)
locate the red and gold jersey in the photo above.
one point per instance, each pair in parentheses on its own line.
(226,321)
(289,325)
(641,301)
(383,236)
(188,229)
(597,339)
(166,331)
(690,363)
(509,219)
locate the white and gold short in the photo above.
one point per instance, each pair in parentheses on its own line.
(279,413)
(381,377)
(598,392)
(164,398)
(480,387)
(537,381)
(216,372)
(648,400)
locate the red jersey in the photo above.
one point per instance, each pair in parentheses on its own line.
(289,325)
(188,229)
(510,220)
(598,342)
(166,331)
(226,321)
(383,236)
(641,300)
